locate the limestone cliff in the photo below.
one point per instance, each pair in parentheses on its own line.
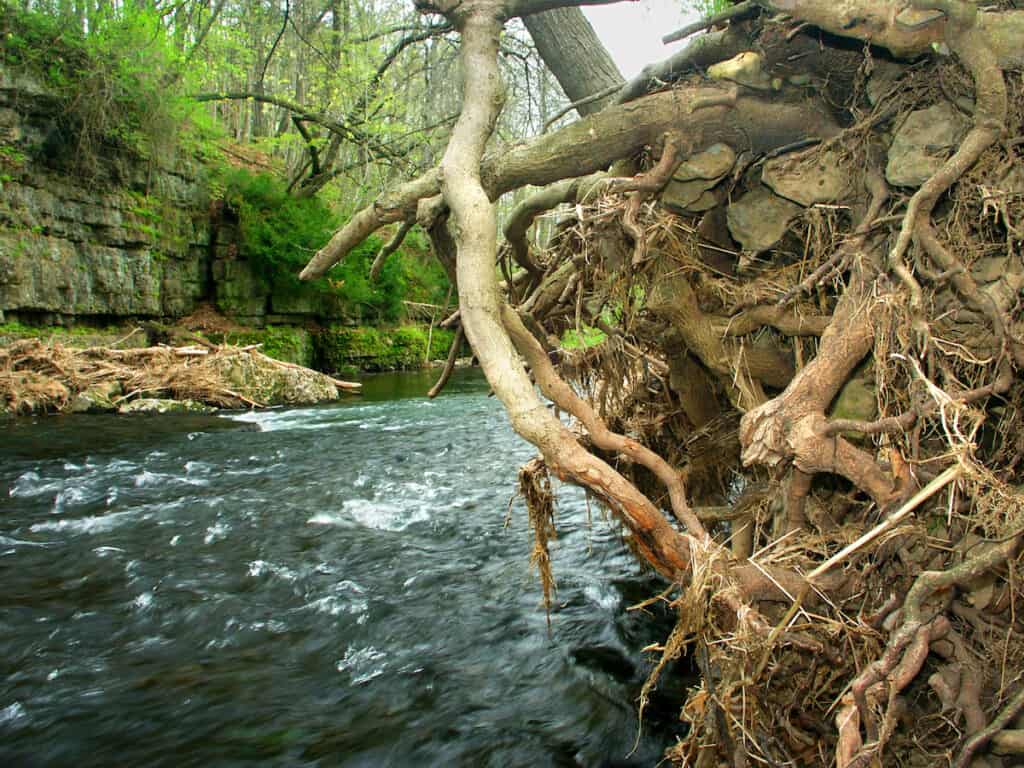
(133,238)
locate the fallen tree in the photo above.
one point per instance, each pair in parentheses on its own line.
(804,256)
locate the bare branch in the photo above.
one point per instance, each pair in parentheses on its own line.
(331,124)
(594,143)
(734,12)
(390,247)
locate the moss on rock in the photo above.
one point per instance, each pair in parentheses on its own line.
(375,349)
(281,342)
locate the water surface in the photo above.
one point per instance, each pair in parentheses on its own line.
(325,586)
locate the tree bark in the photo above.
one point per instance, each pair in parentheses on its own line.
(574,54)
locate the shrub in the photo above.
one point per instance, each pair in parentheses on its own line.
(114,85)
(281,232)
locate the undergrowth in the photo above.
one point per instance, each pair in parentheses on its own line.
(120,87)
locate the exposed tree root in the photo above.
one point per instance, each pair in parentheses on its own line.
(806,406)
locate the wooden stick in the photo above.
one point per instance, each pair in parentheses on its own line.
(341,384)
(936,485)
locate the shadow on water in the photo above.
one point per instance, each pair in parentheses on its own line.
(327,586)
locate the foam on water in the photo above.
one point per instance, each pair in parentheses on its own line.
(336,605)
(259,568)
(216,532)
(13,714)
(30,484)
(301,419)
(382,516)
(361,664)
(91,525)
(7,541)
(299,592)
(330,518)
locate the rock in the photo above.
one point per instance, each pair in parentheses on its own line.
(817,178)
(912,18)
(746,69)
(287,343)
(264,382)
(760,218)
(155,405)
(98,398)
(923,143)
(689,188)
(689,196)
(857,401)
(713,163)
(240,291)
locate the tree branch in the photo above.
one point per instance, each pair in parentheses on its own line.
(734,12)
(594,143)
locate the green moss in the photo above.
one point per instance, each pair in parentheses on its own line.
(376,349)
(76,336)
(281,342)
(34,331)
(158,220)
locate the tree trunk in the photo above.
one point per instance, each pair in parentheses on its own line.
(574,54)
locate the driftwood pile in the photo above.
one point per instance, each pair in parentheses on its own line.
(37,376)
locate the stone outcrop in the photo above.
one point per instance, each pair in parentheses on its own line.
(132,238)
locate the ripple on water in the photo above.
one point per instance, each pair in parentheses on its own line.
(30,484)
(147,479)
(336,605)
(259,568)
(397,579)
(91,525)
(361,664)
(382,516)
(13,714)
(216,532)
(299,419)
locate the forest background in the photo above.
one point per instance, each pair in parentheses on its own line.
(303,110)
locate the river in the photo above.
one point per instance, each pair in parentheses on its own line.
(327,586)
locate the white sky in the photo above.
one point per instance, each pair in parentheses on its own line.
(632,31)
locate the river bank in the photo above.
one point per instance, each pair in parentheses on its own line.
(203,362)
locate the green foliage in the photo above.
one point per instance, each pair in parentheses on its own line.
(380,300)
(119,86)
(708,8)
(376,349)
(280,233)
(573,339)
(425,278)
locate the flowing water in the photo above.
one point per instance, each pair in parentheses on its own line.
(325,586)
